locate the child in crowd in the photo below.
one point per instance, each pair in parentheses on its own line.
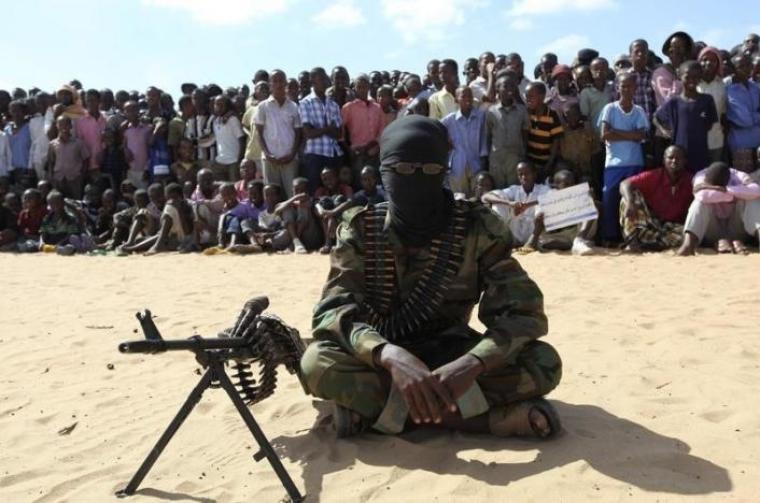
(467,136)
(563,94)
(247,174)
(345,176)
(146,221)
(688,117)
(516,204)
(20,141)
(68,160)
(113,163)
(159,157)
(300,219)
(137,140)
(576,238)
(592,100)
(743,114)
(30,220)
(89,129)
(185,168)
(582,77)
(177,126)
(329,197)
(484,184)
(385,99)
(507,126)
(175,230)
(578,145)
(270,234)
(208,206)
(545,131)
(235,212)
(122,220)
(712,84)
(13,203)
(624,127)
(230,141)
(370,193)
(61,230)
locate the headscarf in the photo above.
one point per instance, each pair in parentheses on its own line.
(716,52)
(419,207)
(75,110)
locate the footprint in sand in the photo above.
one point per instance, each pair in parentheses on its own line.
(717,416)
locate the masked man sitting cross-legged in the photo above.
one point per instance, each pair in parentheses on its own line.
(392,347)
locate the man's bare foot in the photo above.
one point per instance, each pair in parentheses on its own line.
(724,246)
(527,418)
(689,245)
(739,247)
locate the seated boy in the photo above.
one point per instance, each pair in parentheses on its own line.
(122,220)
(578,238)
(175,230)
(516,204)
(62,230)
(185,168)
(726,210)
(270,234)
(30,221)
(235,212)
(330,198)
(300,219)
(208,206)
(247,175)
(146,221)
(370,193)
(484,183)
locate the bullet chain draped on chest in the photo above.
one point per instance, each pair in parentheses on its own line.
(399,322)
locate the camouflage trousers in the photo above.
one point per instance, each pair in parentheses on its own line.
(331,372)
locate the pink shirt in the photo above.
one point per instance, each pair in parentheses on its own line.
(665,84)
(363,120)
(740,186)
(136,141)
(89,129)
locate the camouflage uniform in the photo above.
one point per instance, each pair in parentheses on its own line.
(338,365)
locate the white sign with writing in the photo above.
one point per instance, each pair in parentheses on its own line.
(566,207)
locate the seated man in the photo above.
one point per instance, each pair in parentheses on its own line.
(577,238)
(392,346)
(330,198)
(300,218)
(654,203)
(208,206)
(122,220)
(516,204)
(175,232)
(146,221)
(726,210)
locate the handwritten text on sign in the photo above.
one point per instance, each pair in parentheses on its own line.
(566,207)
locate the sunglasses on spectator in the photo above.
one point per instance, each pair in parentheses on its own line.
(408,168)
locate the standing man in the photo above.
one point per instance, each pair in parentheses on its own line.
(279,128)
(444,102)
(362,125)
(322,123)
(392,344)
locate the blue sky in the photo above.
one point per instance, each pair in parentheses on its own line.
(135,43)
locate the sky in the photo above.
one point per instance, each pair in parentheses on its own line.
(131,44)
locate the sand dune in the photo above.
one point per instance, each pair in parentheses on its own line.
(661,379)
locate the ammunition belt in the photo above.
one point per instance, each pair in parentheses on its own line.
(415,314)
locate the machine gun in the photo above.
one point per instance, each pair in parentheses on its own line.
(255,339)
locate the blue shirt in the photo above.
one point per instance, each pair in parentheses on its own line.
(21,146)
(318,114)
(468,139)
(689,122)
(743,114)
(624,153)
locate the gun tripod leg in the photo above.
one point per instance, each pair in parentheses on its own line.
(264,445)
(184,411)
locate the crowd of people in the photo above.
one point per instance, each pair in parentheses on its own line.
(670,150)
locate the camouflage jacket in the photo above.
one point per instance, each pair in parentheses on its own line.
(511,304)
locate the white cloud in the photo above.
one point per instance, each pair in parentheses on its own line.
(341,14)
(224,12)
(541,7)
(522,24)
(427,19)
(566,47)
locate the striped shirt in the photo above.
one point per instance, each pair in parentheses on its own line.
(544,131)
(318,114)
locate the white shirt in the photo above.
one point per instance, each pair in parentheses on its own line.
(227,139)
(522,225)
(716,89)
(5,155)
(38,128)
(280,123)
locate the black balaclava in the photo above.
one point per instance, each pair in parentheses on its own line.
(419,207)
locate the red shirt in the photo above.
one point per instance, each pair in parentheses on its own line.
(666,201)
(29,221)
(363,120)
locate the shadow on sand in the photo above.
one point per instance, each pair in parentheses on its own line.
(613,446)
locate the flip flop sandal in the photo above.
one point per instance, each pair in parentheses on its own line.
(345,423)
(497,416)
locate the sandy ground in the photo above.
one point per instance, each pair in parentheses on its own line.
(659,395)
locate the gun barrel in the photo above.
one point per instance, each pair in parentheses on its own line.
(193,344)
